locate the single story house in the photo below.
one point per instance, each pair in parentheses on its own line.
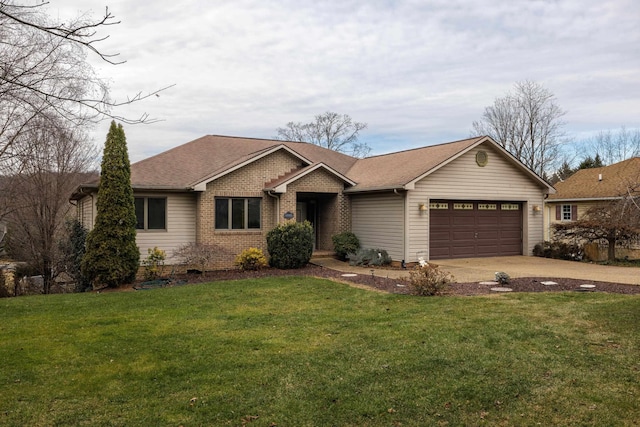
(588,188)
(468,198)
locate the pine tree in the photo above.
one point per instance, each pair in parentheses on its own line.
(112,257)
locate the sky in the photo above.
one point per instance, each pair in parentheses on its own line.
(417,72)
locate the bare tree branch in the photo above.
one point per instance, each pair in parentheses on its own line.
(330,130)
(528,124)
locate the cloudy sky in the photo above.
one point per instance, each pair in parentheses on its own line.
(418,72)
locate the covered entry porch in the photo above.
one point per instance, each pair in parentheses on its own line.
(322,211)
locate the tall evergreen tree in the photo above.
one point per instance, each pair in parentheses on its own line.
(112,257)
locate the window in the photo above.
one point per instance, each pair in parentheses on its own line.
(566,212)
(151,213)
(237,214)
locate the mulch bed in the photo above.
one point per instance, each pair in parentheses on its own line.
(525,284)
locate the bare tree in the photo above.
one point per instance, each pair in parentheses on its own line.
(616,223)
(528,123)
(614,146)
(49,161)
(44,71)
(334,131)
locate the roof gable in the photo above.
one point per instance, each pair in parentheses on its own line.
(280,185)
(201,185)
(192,165)
(606,182)
(403,169)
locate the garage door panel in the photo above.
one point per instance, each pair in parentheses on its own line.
(457,235)
(510,234)
(477,232)
(483,235)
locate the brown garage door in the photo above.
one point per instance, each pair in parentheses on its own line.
(464,229)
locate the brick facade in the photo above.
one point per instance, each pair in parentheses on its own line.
(249,181)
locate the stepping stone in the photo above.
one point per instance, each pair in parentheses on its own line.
(549,283)
(501,289)
(489,283)
(349,275)
(587,286)
(401,286)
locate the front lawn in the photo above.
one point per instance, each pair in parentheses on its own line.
(309,352)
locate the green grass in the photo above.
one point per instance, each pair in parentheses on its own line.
(309,352)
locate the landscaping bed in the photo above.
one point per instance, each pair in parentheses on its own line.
(523,284)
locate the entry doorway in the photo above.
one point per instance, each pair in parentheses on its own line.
(307,211)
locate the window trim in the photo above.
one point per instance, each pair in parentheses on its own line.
(145,219)
(230,210)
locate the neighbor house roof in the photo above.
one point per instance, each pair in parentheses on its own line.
(191,166)
(607,182)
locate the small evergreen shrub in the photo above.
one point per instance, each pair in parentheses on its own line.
(345,243)
(428,280)
(290,245)
(371,257)
(502,278)
(154,263)
(72,249)
(251,259)
(559,250)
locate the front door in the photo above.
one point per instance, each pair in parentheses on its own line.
(306,211)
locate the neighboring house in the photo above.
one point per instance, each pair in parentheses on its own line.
(590,187)
(587,188)
(461,199)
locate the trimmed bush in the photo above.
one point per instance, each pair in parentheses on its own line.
(251,259)
(372,257)
(345,243)
(502,278)
(428,280)
(559,250)
(154,263)
(290,245)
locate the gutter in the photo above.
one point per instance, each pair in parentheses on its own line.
(586,199)
(394,188)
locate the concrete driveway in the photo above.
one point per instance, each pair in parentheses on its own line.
(478,269)
(470,270)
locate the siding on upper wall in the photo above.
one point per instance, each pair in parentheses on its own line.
(86,211)
(181,226)
(378,221)
(463,179)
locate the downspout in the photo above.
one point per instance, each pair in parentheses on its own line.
(277,218)
(405,250)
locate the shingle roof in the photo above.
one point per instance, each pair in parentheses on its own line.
(586,183)
(191,165)
(196,161)
(400,168)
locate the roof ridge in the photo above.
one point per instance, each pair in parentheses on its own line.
(425,147)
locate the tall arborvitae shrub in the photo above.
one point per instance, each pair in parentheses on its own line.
(112,257)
